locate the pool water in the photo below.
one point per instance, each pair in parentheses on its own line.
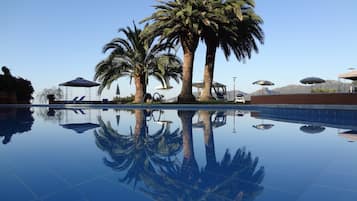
(106,154)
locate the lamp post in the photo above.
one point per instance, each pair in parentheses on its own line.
(234,87)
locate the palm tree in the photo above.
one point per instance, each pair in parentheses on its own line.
(137,58)
(238,32)
(181,21)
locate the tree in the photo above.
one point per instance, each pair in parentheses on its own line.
(19,86)
(24,90)
(237,31)
(181,21)
(138,58)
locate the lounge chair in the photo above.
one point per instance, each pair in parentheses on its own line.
(81,99)
(74,99)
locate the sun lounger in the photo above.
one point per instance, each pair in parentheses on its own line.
(81,99)
(74,99)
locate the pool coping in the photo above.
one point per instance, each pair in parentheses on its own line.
(189,106)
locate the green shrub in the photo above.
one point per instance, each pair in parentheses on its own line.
(323,90)
(123,100)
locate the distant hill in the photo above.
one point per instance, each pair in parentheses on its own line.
(329,84)
(290,89)
(300,89)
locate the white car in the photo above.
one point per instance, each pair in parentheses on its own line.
(239,99)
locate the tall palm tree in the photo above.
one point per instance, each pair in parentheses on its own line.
(137,58)
(181,21)
(238,31)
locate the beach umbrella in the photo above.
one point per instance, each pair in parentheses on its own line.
(118,90)
(349,76)
(311,129)
(263,83)
(79,82)
(312,81)
(352,75)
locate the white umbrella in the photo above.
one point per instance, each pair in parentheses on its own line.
(349,76)
(263,83)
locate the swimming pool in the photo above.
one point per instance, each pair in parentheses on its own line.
(110,154)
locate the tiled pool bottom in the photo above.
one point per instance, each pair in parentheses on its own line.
(82,154)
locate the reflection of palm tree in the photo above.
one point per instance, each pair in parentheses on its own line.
(208,138)
(234,178)
(138,152)
(147,158)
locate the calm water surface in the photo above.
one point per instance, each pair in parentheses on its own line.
(95,155)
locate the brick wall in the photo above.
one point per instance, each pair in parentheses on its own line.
(328,99)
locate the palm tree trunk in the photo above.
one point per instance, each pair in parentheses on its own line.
(189,163)
(208,139)
(206,93)
(189,45)
(139,89)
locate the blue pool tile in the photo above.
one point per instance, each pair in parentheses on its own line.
(13,189)
(327,194)
(100,189)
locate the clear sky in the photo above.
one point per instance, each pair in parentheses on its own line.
(52,41)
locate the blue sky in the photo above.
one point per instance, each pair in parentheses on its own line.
(49,42)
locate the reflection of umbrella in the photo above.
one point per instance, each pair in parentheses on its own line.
(163,88)
(351,135)
(80,127)
(263,83)
(263,126)
(311,129)
(118,90)
(349,76)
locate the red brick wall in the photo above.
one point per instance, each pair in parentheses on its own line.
(328,99)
